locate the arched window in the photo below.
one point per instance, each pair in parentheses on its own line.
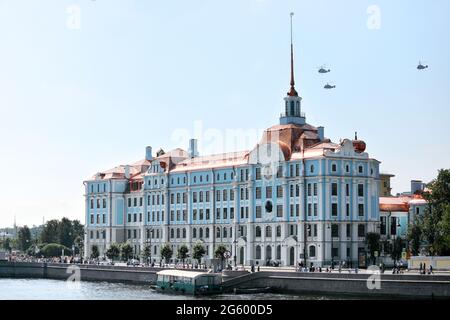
(258,231)
(312,251)
(311,169)
(231,232)
(172,233)
(268,252)
(184,233)
(178,233)
(224,232)
(258,252)
(218,232)
(194,233)
(278,231)
(200,233)
(207,233)
(268,232)
(292,108)
(278,252)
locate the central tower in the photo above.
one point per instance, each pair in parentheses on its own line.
(292,113)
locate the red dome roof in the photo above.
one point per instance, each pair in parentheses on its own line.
(359,145)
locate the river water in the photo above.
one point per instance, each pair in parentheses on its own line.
(46,289)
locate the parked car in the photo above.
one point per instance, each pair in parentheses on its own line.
(133,262)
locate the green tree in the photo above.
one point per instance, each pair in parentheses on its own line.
(113,251)
(373,244)
(414,236)
(198,251)
(432,223)
(24,238)
(94,252)
(146,253)
(126,250)
(65,232)
(49,233)
(166,252)
(182,253)
(7,245)
(54,250)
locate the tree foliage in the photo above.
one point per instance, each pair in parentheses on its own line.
(126,250)
(94,252)
(113,251)
(24,238)
(166,252)
(55,250)
(435,222)
(64,232)
(182,252)
(414,236)
(373,244)
(198,251)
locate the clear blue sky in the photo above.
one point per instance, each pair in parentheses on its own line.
(77,101)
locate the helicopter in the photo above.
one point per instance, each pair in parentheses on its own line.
(421,66)
(323,69)
(328,86)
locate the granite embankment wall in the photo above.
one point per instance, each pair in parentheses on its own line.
(412,286)
(404,285)
(86,272)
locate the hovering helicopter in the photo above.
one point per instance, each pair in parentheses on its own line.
(323,69)
(421,66)
(328,86)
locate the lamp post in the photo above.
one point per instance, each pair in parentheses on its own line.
(234,256)
(397,225)
(332,255)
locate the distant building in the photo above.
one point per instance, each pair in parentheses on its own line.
(385,184)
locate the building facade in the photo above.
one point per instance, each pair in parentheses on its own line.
(295,197)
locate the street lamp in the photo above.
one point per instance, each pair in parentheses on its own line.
(397,225)
(332,255)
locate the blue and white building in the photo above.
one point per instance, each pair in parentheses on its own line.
(295,195)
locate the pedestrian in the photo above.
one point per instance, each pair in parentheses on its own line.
(431,269)
(424,268)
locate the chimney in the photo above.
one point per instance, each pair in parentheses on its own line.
(193,152)
(127,171)
(148,153)
(321,133)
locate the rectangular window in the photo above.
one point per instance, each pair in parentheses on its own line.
(140,201)
(135,217)
(361,230)
(347,209)
(309,189)
(242,194)
(258,212)
(242,212)
(334,189)
(349,230)
(360,190)
(246,193)
(258,192)
(129,217)
(361,209)
(297,170)
(218,195)
(178,215)
(309,209)
(334,209)
(218,213)
(92,218)
(315,231)
(135,202)
(383,225)
(280,172)
(315,189)
(206,196)
(194,197)
(347,190)
(279,191)
(225,195)
(268,192)
(104,203)
(258,174)
(232,195)
(246,212)
(231,213)
(279,210)
(201,214)
(297,210)
(104,218)
(194,214)
(225,213)
(179,199)
(129,202)
(292,213)
(184,215)
(315,209)
(335,230)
